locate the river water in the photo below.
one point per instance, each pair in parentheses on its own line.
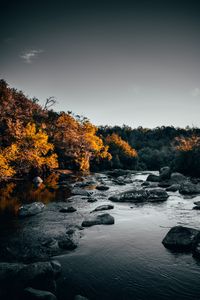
(127,260)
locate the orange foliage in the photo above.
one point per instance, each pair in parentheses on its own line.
(185,144)
(116,141)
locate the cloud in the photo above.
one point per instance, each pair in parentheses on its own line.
(195,92)
(29,56)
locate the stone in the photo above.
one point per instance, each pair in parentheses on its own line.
(153,178)
(102,187)
(180,238)
(32,209)
(33,294)
(165,173)
(173,188)
(81,192)
(156,195)
(103,207)
(133,195)
(188,188)
(37,180)
(69,209)
(177,177)
(104,219)
(79,297)
(141,195)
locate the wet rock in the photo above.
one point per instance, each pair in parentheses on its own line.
(177,177)
(165,173)
(173,188)
(153,178)
(37,180)
(81,192)
(79,297)
(118,172)
(165,183)
(102,187)
(104,219)
(156,195)
(146,183)
(91,200)
(188,188)
(141,195)
(180,238)
(69,209)
(33,294)
(32,209)
(133,195)
(67,244)
(103,207)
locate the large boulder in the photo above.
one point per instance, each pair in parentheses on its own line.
(32,209)
(104,219)
(33,294)
(133,195)
(156,195)
(177,177)
(188,188)
(180,238)
(153,178)
(165,173)
(140,195)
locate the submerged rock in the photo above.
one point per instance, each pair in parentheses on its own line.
(68,209)
(104,219)
(103,207)
(32,209)
(33,294)
(180,238)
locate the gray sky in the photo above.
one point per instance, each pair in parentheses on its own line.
(115,62)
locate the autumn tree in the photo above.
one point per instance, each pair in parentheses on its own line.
(123,155)
(187,158)
(76,141)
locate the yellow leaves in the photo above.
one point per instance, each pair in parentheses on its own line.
(117,141)
(5,169)
(185,144)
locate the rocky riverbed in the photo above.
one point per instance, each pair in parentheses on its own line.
(59,228)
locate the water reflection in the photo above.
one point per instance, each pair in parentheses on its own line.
(13,195)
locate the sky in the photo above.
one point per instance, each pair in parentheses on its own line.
(115,62)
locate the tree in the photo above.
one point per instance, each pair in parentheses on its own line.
(122,153)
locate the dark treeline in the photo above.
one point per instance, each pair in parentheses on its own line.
(175,147)
(34,139)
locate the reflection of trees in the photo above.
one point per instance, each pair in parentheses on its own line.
(12,195)
(9,203)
